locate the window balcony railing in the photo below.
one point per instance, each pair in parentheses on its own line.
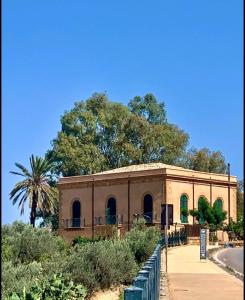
(109,220)
(105,220)
(149,218)
(74,223)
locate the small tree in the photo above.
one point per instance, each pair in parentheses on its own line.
(235,229)
(212,216)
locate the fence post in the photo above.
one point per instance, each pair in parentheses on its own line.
(146,274)
(150,270)
(155,259)
(151,263)
(158,253)
(142,282)
(133,293)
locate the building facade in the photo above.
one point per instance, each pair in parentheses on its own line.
(89,205)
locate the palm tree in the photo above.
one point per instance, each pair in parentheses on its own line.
(35,187)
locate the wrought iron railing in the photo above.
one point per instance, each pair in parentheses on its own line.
(74,223)
(108,220)
(105,220)
(174,239)
(149,218)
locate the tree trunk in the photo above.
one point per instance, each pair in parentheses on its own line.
(33,210)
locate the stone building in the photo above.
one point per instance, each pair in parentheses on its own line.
(91,204)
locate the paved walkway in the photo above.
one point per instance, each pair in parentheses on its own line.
(188,278)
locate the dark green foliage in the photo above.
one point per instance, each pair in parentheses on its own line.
(148,108)
(184,212)
(81,240)
(98,134)
(49,219)
(210,215)
(204,160)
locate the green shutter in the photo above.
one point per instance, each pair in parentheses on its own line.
(183,204)
(201,221)
(218,204)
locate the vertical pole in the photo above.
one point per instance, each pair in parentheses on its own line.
(128,203)
(193,199)
(93,209)
(146,274)
(142,282)
(166,236)
(229,193)
(211,200)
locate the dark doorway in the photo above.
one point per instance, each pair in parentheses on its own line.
(148,207)
(170,219)
(76,214)
(111,211)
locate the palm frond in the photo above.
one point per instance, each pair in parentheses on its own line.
(16,173)
(23,169)
(36,186)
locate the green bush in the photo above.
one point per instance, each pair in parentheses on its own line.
(54,288)
(81,240)
(25,244)
(31,256)
(102,264)
(15,278)
(142,242)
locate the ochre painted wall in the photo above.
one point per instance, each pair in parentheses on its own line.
(156,185)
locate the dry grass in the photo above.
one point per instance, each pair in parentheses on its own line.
(112,294)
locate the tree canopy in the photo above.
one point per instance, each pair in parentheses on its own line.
(204,160)
(98,134)
(240,199)
(211,215)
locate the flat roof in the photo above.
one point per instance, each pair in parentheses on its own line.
(151,169)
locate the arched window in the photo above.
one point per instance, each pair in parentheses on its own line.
(218,203)
(111,211)
(201,204)
(148,208)
(183,206)
(76,214)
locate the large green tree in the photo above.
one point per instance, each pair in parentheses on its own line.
(204,160)
(34,187)
(98,135)
(148,108)
(240,199)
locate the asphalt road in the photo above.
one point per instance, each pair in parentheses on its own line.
(232,257)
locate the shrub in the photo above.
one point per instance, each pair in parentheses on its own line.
(142,242)
(102,264)
(15,278)
(55,287)
(81,240)
(26,244)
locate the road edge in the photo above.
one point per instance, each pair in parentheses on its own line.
(213,253)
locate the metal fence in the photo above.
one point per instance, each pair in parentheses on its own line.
(146,286)
(73,223)
(174,239)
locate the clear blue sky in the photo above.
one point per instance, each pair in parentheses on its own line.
(55,52)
